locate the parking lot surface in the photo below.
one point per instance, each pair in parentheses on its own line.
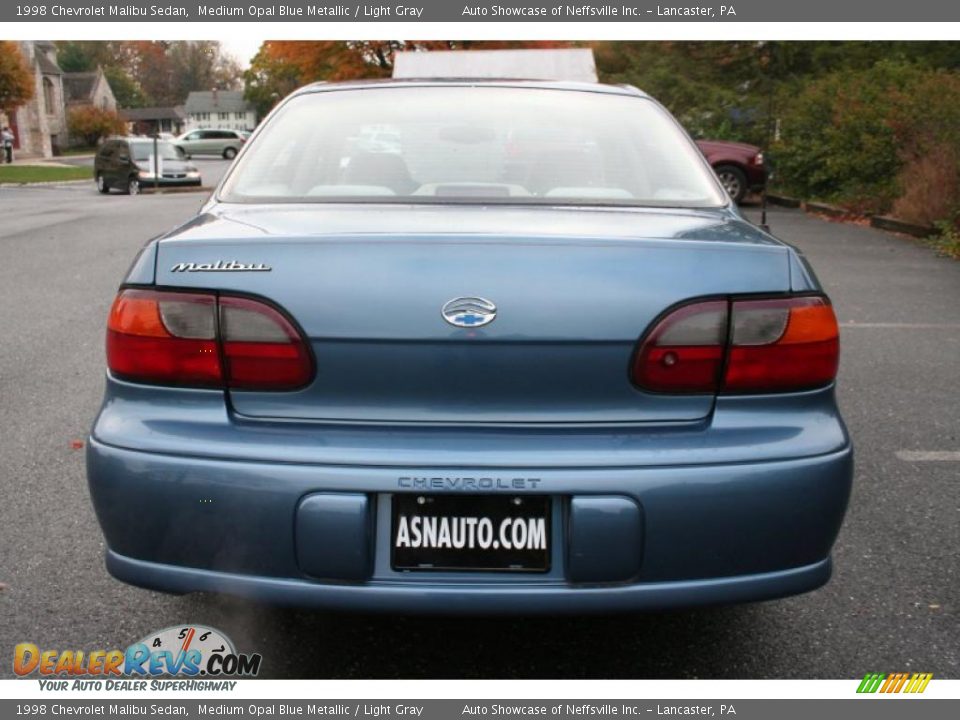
(891,606)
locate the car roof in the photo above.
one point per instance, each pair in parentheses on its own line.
(590,87)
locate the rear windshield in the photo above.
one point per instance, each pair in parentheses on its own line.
(481,144)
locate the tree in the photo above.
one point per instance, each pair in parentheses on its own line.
(111,57)
(269,79)
(201,65)
(146,72)
(715,89)
(147,62)
(281,66)
(91,124)
(16,80)
(125,88)
(86,55)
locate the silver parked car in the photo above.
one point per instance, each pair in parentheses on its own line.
(225,143)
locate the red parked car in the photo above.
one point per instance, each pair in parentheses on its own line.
(739,166)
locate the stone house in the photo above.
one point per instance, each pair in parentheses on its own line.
(40,125)
(90,89)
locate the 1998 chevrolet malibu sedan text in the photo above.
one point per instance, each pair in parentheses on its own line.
(525,356)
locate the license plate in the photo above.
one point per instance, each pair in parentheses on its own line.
(471,532)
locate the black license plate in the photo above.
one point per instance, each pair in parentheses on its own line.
(506,533)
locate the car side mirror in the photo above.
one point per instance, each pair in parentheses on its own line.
(124,158)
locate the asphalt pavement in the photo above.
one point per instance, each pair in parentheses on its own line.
(891,606)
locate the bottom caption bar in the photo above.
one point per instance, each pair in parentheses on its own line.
(448,709)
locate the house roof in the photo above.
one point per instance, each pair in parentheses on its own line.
(78,87)
(569,64)
(219,101)
(153,113)
(47,66)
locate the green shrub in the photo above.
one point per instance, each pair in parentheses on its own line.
(947,241)
(875,140)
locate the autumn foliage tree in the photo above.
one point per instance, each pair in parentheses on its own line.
(91,124)
(153,72)
(16,81)
(283,65)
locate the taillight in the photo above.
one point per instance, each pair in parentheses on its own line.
(173,338)
(684,353)
(743,346)
(167,338)
(262,350)
(785,344)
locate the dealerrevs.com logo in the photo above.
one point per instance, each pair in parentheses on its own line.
(183,651)
(910,683)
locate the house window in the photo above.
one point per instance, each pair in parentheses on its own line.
(224,116)
(48,96)
(238,115)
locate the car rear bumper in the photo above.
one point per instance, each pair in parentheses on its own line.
(451,599)
(695,534)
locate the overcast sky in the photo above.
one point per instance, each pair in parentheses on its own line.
(242,48)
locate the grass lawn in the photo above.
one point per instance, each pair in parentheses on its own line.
(42,173)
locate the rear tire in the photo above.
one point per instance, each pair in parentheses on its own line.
(102,186)
(734,181)
(229,153)
(133,186)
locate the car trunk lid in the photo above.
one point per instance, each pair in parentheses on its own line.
(573,290)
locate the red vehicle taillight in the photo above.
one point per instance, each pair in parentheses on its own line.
(173,338)
(261,348)
(743,346)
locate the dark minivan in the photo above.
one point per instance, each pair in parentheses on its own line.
(128,163)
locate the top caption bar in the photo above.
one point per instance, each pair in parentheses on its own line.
(634,11)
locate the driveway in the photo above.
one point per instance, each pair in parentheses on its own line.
(892,605)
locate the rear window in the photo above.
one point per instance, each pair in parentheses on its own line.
(473,144)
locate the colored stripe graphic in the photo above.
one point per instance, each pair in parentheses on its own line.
(871,681)
(894,683)
(923,679)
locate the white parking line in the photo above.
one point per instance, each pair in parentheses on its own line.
(929,455)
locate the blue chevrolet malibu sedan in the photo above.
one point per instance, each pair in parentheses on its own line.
(471,346)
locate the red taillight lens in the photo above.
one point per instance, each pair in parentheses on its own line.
(772,345)
(779,345)
(684,353)
(166,338)
(173,338)
(263,351)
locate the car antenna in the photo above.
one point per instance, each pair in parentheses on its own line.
(763,210)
